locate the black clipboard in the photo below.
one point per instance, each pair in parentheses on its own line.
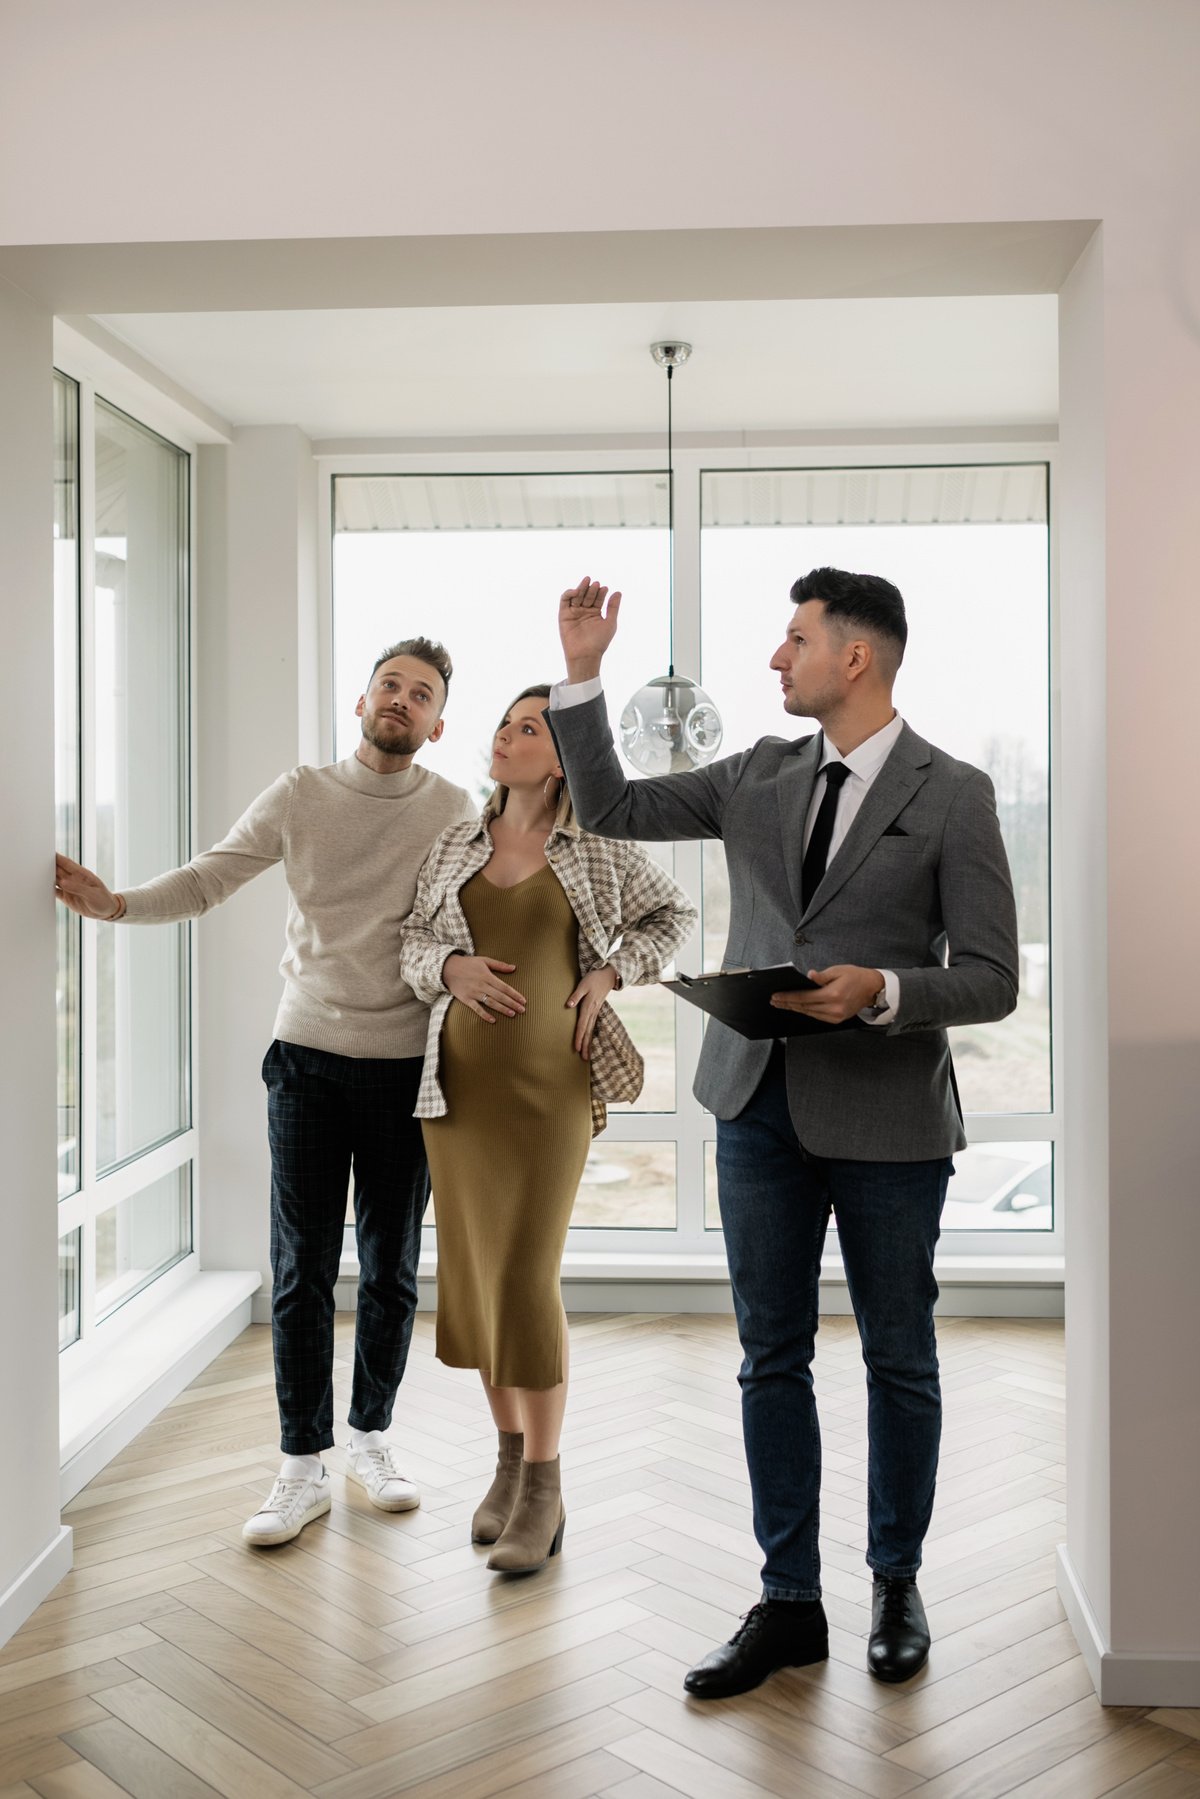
(741,998)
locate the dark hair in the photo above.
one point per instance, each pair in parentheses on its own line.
(422,649)
(867,601)
(565,814)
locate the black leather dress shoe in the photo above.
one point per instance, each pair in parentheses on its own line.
(776,1633)
(899,1644)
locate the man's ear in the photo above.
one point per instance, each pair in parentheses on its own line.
(860,660)
(362,705)
(437,731)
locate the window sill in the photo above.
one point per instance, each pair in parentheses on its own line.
(105,1401)
(972,1286)
(594,1265)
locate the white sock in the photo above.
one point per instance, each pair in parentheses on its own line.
(302,1467)
(366,1439)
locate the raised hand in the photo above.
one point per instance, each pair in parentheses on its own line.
(586,627)
(85,893)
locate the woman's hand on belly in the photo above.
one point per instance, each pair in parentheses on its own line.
(475,982)
(587,1000)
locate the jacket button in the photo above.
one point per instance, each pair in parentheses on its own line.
(799,937)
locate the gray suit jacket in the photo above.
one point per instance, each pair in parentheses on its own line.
(919,885)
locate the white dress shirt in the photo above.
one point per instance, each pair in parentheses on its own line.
(864,764)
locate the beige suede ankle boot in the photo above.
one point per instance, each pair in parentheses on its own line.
(496,1505)
(534,1531)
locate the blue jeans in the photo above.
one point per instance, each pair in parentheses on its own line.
(775,1206)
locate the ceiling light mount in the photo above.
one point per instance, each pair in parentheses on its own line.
(670,354)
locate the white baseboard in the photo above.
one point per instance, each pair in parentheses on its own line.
(128,1382)
(1124,1677)
(35,1583)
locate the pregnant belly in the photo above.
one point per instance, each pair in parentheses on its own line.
(538,1046)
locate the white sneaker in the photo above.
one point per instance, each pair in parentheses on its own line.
(292,1505)
(373,1468)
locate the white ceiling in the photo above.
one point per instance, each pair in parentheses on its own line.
(758,365)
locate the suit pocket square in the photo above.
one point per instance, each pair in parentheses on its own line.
(896,839)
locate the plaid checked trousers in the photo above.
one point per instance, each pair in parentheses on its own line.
(325,1115)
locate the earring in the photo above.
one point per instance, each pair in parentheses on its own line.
(551,805)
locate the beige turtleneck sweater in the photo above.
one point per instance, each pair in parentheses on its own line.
(352,843)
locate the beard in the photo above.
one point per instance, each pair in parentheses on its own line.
(390,735)
(815,702)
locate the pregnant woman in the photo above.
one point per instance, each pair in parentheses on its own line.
(523,926)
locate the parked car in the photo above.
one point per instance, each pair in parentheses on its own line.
(1001,1186)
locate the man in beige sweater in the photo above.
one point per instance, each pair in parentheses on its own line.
(343,1072)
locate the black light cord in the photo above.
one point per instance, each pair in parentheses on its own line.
(670,532)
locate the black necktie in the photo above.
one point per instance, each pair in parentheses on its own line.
(817,853)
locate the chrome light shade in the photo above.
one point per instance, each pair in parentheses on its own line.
(670,725)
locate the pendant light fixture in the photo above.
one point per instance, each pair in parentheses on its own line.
(670,724)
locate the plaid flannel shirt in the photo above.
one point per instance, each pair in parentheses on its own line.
(616,891)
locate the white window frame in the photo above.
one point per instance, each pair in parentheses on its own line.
(1011,1255)
(97,377)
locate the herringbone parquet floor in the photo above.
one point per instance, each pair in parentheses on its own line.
(376,1656)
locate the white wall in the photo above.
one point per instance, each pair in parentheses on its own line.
(256,717)
(1152,383)
(34,1553)
(1078,506)
(534,117)
(273,121)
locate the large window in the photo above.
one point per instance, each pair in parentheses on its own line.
(471,562)
(66,763)
(121,768)
(477,560)
(968,548)
(141,820)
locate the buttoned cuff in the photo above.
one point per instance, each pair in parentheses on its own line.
(891,994)
(574,693)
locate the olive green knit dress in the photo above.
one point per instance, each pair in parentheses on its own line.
(505,1160)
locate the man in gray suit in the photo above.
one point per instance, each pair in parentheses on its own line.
(874,862)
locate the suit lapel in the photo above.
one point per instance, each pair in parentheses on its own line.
(794,791)
(904,771)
